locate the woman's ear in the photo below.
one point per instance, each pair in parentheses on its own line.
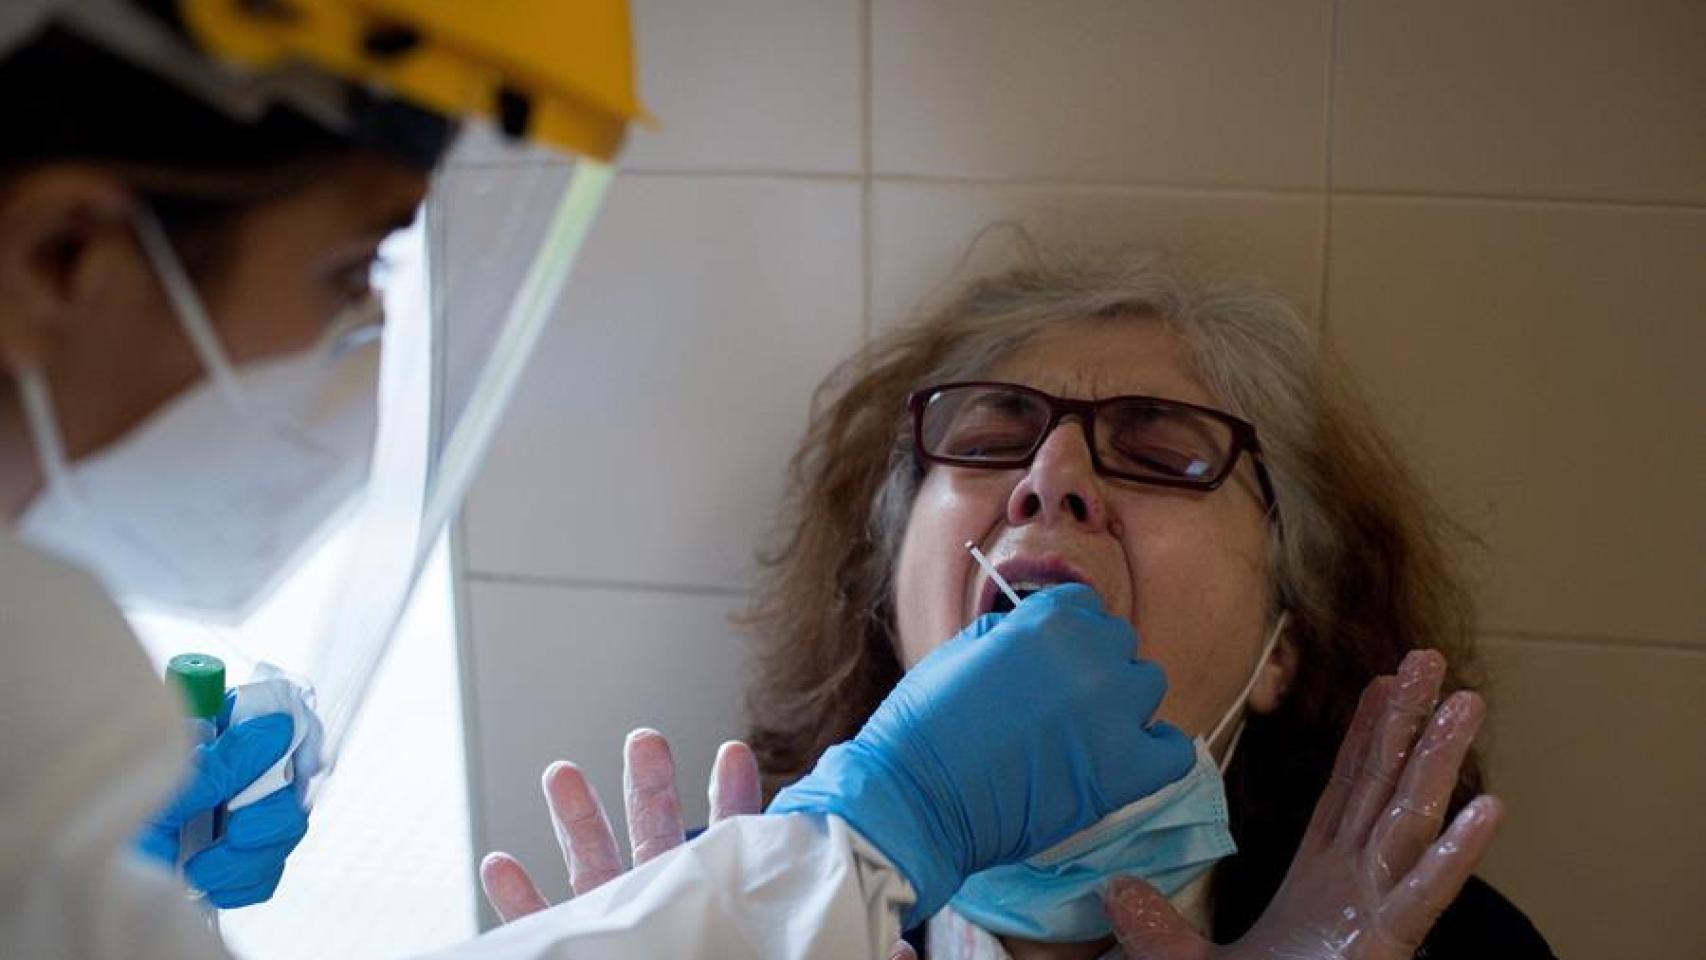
(1274,680)
(64,235)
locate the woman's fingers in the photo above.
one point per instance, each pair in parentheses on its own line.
(1417,811)
(648,788)
(902,951)
(583,831)
(1323,825)
(735,789)
(510,891)
(1411,702)
(1411,909)
(1147,926)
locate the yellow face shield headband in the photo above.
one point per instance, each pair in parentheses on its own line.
(559,74)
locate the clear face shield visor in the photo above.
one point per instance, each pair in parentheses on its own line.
(463,311)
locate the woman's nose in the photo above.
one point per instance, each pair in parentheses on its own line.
(1061,485)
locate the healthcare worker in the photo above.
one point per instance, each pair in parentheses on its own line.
(192,194)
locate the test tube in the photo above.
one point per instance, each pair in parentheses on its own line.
(201,680)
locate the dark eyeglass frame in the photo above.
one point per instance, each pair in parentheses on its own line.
(1243,437)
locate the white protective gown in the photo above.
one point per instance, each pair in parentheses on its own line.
(90,741)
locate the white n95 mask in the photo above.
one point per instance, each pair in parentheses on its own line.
(210,502)
(283,512)
(1169,839)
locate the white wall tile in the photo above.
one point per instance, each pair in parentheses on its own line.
(750,85)
(1542,365)
(1229,92)
(923,234)
(1529,98)
(648,439)
(758,85)
(564,674)
(1596,753)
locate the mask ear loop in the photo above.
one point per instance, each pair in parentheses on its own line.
(44,429)
(188,307)
(1237,709)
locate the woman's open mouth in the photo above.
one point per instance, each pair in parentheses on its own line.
(1026,575)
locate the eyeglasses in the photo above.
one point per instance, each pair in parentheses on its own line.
(1000,426)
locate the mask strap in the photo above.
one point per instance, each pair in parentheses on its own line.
(188,306)
(44,428)
(1237,708)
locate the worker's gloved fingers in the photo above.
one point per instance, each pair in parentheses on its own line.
(1144,684)
(1412,907)
(1330,808)
(221,871)
(159,842)
(510,891)
(1417,811)
(242,753)
(247,896)
(1102,637)
(222,769)
(977,628)
(276,818)
(1407,708)
(244,867)
(583,831)
(735,789)
(1168,754)
(1073,596)
(648,792)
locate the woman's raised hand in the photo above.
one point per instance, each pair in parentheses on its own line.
(1373,871)
(654,821)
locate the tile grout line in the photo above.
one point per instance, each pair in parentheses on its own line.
(1205,189)
(590,583)
(1157,187)
(468,686)
(1598,642)
(867,240)
(1579,203)
(1096,186)
(1323,279)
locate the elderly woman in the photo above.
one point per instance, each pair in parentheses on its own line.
(1180,448)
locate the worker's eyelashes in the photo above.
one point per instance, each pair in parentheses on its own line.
(357,281)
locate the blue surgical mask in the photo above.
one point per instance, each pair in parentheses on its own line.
(1168,838)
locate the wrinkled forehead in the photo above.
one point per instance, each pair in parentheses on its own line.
(1092,359)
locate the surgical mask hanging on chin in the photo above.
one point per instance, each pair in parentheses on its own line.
(209,503)
(1168,838)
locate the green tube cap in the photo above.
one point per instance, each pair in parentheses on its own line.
(202,679)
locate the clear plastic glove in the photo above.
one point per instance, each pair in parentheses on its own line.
(244,866)
(654,821)
(1018,732)
(1372,873)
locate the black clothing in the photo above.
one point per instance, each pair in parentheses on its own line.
(1482,923)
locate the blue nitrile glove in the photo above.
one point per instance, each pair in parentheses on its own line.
(245,865)
(1015,734)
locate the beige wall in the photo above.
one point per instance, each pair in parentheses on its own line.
(1496,210)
